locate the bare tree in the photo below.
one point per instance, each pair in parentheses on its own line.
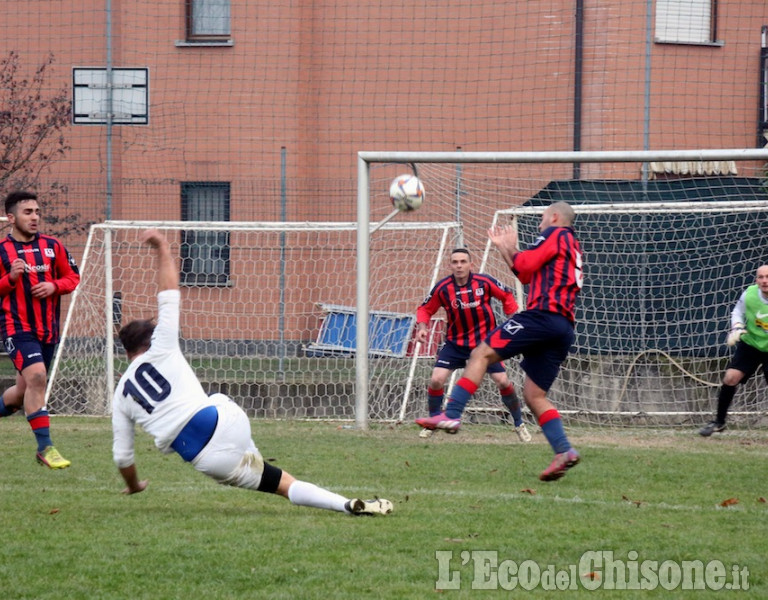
(32,125)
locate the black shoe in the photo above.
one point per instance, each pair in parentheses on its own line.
(711,427)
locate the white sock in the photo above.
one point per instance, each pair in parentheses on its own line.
(302,493)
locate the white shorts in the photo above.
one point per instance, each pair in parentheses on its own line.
(231,457)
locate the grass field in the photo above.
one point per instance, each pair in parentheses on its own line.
(644,496)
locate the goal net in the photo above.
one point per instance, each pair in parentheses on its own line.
(666,258)
(660,283)
(268,312)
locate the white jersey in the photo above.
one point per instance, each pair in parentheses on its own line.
(159,390)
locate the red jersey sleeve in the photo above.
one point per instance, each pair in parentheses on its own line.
(428,308)
(528,262)
(67,276)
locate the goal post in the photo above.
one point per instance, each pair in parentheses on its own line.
(268,312)
(670,239)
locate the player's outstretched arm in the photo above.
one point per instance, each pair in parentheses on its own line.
(167,273)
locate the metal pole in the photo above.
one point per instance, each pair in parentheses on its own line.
(363,257)
(283,218)
(110,111)
(588,156)
(457,212)
(578,83)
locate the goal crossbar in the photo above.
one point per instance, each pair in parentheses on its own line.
(744,154)
(645,208)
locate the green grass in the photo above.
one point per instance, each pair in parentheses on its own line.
(71,534)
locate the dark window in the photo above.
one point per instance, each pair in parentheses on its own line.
(204,254)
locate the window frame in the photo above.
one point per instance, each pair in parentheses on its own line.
(672,34)
(189,20)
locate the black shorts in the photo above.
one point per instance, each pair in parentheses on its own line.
(746,359)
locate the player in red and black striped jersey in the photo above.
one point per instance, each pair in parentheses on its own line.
(35,271)
(543,333)
(466,299)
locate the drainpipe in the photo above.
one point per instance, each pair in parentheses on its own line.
(578,83)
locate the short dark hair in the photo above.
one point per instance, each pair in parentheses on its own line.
(137,335)
(12,199)
(460,251)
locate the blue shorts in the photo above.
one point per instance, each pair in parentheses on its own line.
(24,349)
(455,357)
(543,338)
(196,433)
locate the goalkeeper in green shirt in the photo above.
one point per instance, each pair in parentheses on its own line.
(749,333)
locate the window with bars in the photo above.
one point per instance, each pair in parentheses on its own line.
(205,254)
(686,21)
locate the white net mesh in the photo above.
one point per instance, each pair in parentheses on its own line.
(276,333)
(665,261)
(660,283)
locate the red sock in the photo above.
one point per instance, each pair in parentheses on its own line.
(467,384)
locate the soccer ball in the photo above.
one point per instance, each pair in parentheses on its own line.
(406,192)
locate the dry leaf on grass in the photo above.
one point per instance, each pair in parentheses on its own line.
(637,503)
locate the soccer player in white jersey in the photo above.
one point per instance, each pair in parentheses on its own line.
(160,392)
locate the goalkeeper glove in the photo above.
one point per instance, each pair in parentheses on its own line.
(736,333)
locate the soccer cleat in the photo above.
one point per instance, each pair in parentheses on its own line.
(559,465)
(711,427)
(51,458)
(439,422)
(378,506)
(522,432)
